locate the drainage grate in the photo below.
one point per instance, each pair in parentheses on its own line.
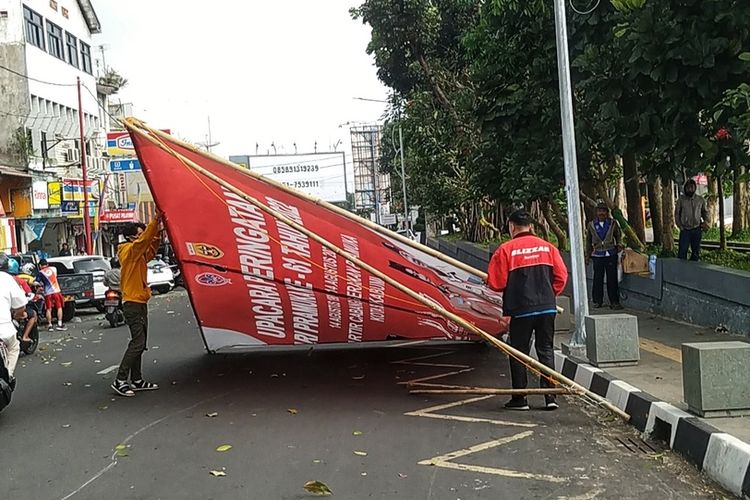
(634,445)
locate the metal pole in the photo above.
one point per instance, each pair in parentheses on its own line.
(580,296)
(86,220)
(374,178)
(403,175)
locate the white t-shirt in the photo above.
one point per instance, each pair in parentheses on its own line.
(11,297)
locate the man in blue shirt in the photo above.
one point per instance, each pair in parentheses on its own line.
(603,243)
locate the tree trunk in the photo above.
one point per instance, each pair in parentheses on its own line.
(667,213)
(562,238)
(633,195)
(722,227)
(746,187)
(739,202)
(711,205)
(654,205)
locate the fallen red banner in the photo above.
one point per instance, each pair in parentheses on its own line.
(255,281)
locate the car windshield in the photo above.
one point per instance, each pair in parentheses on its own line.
(90,265)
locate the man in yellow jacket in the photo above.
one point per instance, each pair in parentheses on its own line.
(140,247)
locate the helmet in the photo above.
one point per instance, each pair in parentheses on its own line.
(13,266)
(4,259)
(28,268)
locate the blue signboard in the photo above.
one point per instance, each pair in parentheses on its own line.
(70,207)
(130,165)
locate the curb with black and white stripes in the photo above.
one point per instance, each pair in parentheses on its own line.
(723,457)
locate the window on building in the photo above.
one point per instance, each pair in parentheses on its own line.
(86,59)
(71,49)
(55,41)
(34,28)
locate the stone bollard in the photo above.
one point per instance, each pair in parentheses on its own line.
(612,340)
(563,320)
(715,379)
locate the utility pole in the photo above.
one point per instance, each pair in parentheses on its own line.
(580,295)
(209,142)
(84,173)
(403,174)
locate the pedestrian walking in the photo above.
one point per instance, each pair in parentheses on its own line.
(140,246)
(691,216)
(603,246)
(531,273)
(53,298)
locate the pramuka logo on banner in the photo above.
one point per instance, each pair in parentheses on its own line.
(212,279)
(204,250)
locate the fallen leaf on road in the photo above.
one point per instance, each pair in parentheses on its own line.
(65,426)
(402,475)
(316,461)
(212,414)
(360,453)
(318,488)
(357,433)
(363,474)
(97,361)
(102,408)
(170,312)
(293,411)
(358,377)
(67,384)
(121,450)
(224,447)
(87,385)
(67,364)
(218,473)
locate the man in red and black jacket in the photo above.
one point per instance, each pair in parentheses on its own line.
(531,273)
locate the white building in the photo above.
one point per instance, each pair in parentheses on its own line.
(45,45)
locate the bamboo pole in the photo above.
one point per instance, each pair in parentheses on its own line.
(317,201)
(507,349)
(495,392)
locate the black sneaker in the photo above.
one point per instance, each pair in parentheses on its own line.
(517,404)
(550,403)
(598,306)
(122,388)
(142,385)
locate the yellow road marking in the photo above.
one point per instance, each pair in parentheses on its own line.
(445,461)
(662,350)
(431,413)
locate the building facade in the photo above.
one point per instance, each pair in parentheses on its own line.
(45,46)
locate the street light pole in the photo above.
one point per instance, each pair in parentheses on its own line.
(580,296)
(84,173)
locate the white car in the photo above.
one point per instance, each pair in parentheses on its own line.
(97,265)
(160,276)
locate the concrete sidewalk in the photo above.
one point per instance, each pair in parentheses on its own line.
(652,394)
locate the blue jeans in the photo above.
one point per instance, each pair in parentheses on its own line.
(691,237)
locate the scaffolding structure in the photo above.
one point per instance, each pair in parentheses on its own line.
(372,188)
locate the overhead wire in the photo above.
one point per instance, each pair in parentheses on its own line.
(57,84)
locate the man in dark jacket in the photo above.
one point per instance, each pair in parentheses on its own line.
(603,245)
(531,273)
(691,216)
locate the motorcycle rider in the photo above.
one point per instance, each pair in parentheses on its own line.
(13,270)
(12,306)
(112,277)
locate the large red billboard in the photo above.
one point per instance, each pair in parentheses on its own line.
(255,281)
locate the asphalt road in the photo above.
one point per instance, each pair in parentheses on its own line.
(339,416)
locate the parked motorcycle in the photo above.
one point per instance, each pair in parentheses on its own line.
(113,308)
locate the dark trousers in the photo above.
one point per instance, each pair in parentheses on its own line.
(136,317)
(605,266)
(692,238)
(521,329)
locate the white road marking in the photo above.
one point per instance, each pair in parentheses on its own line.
(108,370)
